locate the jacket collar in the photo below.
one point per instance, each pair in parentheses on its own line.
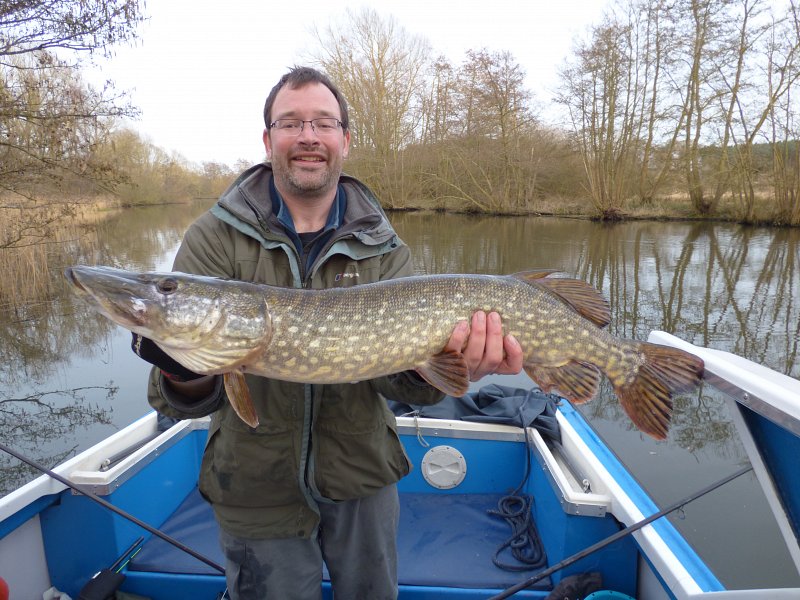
(248,201)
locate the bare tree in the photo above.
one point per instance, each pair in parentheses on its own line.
(702,25)
(439,119)
(496,106)
(657,131)
(30,26)
(50,119)
(602,95)
(52,122)
(784,135)
(380,69)
(781,69)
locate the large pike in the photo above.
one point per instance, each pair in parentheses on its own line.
(216,326)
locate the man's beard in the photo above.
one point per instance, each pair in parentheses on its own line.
(306,184)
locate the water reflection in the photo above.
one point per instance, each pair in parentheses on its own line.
(724,286)
(47,410)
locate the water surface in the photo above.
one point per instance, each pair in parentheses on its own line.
(73,379)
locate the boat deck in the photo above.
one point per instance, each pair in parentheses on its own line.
(447,537)
(445,540)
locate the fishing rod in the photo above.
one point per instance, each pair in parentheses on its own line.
(617,536)
(125,515)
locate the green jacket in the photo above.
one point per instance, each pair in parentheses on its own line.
(315,443)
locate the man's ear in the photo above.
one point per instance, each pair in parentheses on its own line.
(267,143)
(346,148)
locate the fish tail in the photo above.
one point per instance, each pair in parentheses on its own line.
(647,398)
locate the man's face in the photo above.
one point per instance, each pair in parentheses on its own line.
(307,165)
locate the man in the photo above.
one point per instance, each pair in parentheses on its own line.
(316,479)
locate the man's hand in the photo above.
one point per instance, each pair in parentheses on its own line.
(147,350)
(485,348)
(181,379)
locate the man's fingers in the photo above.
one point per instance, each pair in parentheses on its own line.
(484,347)
(512,364)
(473,352)
(459,337)
(484,351)
(493,352)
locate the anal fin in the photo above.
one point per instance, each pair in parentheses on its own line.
(239,397)
(576,381)
(448,372)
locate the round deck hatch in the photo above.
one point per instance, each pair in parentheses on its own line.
(444,467)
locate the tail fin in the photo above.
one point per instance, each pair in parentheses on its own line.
(648,398)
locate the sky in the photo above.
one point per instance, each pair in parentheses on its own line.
(200,71)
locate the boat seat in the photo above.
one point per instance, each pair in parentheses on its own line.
(444,540)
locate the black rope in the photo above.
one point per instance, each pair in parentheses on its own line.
(617,536)
(525,543)
(112,508)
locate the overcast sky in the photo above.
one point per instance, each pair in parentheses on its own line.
(200,72)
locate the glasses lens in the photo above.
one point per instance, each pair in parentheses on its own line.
(325,126)
(288,126)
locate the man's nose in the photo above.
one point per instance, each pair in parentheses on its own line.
(307,133)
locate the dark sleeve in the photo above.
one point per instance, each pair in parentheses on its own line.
(408,388)
(167,401)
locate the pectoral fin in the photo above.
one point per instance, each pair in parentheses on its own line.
(448,372)
(239,397)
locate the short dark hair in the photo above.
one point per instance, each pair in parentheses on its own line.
(298,77)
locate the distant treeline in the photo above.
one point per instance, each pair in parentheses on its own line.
(686,101)
(694,99)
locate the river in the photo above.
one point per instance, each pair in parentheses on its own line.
(68,378)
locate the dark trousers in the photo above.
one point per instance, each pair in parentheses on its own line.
(357,539)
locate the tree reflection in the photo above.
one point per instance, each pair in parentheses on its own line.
(29,423)
(42,337)
(724,286)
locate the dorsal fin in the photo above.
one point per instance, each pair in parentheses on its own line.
(579,295)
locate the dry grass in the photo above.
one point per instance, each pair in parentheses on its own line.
(33,237)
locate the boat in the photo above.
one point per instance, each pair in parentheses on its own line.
(492,509)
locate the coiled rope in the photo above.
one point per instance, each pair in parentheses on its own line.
(525,543)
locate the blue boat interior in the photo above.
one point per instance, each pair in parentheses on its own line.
(444,539)
(447,540)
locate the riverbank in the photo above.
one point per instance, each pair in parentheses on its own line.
(35,233)
(672,208)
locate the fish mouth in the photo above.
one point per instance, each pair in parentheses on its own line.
(72,279)
(112,293)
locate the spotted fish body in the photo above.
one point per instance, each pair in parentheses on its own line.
(215,326)
(350,334)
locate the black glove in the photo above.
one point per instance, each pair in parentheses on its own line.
(148,350)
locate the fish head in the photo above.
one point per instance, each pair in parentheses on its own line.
(209,325)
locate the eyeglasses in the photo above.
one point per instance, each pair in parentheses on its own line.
(293,127)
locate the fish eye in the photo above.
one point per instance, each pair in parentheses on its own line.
(167,285)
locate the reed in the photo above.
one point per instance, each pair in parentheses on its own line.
(35,239)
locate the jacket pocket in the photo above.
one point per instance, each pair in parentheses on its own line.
(250,469)
(358,465)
